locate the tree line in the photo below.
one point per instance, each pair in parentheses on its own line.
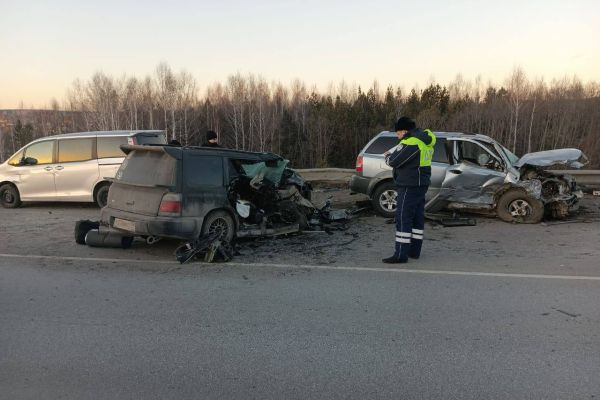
(316,129)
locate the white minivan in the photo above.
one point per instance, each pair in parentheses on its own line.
(68,167)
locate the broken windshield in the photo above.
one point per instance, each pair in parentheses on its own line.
(271,170)
(512,158)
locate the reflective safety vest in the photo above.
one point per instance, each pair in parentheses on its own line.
(426,150)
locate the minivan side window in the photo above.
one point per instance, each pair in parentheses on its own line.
(42,151)
(108,147)
(71,150)
(203,171)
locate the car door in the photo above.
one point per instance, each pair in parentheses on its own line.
(475,173)
(36,181)
(76,171)
(203,184)
(439,166)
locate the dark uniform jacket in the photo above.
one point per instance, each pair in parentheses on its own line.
(406,161)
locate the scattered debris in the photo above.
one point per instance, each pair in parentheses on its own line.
(262,230)
(451,220)
(82,227)
(99,238)
(90,233)
(209,247)
(447,220)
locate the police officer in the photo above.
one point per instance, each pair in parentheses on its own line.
(411,161)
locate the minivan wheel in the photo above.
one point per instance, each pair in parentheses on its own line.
(384,200)
(9,196)
(101,196)
(517,206)
(219,221)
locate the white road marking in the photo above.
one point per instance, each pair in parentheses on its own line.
(320,267)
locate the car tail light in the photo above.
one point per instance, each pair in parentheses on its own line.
(170,205)
(359,164)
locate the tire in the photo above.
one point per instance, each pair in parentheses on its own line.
(384,200)
(219,220)
(9,196)
(101,195)
(82,227)
(517,206)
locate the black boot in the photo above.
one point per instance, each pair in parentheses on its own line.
(393,260)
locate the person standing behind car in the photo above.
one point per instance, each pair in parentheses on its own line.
(212,139)
(411,161)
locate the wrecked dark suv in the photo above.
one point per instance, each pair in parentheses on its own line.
(473,172)
(189,192)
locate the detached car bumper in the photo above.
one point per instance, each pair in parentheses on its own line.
(359,184)
(186,228)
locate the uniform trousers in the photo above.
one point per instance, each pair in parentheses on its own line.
(410,221)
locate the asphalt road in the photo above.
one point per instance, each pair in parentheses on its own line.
(91,329)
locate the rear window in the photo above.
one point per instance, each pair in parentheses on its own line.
(108,147)
(150,138)
(382,144)
(148,168)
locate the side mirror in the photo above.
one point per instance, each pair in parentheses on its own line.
(29,161)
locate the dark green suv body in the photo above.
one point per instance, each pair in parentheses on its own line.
(185,192)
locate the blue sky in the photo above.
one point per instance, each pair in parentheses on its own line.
(45,45)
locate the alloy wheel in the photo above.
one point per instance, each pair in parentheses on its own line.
(387,200)
(219,225)
(520,208)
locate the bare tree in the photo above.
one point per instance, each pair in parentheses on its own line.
(517,88)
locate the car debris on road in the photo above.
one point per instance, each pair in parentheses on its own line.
(191,193)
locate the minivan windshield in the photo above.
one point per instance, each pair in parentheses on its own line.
(151,167)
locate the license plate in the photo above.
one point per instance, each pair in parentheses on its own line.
(124,224)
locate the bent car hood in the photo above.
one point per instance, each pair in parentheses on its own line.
(573,158)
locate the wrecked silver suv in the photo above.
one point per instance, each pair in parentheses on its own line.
(474,173)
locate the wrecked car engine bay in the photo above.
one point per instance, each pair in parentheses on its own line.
(523,191)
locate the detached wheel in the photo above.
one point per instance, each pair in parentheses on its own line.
(517,206)
(384,200)
(9,196)
(219,221)
(101,196)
